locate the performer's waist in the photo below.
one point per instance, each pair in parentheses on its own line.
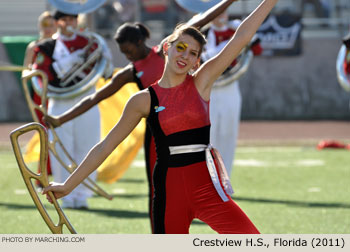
(191,148)
(186,154)
(185,147)
(183,153)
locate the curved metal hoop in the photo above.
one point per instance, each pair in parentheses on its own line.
(89,183)
(11,68)
(343,79)
(243,62)
(27,175)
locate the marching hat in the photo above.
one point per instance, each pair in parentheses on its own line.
(59,14)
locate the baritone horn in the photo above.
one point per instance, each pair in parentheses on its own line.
(197,6)
(77,6)
(81,77)
(96,65)
(234,73)
(243,60)
(343,78)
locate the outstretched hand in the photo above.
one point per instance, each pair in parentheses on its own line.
(58,189)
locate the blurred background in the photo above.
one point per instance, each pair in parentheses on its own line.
(294,79)
(291,103)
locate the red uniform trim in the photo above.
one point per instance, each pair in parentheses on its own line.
(150,69)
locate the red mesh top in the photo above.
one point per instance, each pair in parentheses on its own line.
(150,69)
(181,107)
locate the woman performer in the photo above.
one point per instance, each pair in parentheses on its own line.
(47,27)
(176,108)
(146,67)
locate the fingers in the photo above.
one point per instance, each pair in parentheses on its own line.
(55,189)
(49,199)
(52,187)
(45,191)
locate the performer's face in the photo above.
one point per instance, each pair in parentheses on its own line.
(66,24)
(183,54)
(48,27)
(131,51)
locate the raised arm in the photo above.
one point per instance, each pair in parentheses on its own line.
(204,18)
(213,68)
(136,108)
(118,80)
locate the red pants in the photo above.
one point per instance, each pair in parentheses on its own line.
(189,193)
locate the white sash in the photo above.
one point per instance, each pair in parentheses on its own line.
(212,154)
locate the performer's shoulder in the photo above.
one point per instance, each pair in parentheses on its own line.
(82,38)
(47,46)
(141,101)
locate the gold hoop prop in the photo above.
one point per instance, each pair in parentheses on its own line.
(27,175)
(11,68)
(27,74)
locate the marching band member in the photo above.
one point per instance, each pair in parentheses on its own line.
(225,101)
(177,110)
(56,57)
(47,28)
(146,67)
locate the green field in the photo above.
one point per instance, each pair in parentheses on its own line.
(284,190)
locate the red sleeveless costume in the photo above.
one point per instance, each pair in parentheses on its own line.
(146,72)
(183,189)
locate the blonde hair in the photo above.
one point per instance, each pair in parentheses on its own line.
(43,16)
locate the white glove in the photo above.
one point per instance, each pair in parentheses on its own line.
(63,65)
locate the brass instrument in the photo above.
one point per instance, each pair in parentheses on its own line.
(197,6)
(95,65)
(234,73)
(77,6)
(27,74)
(243,60)
(343,79)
